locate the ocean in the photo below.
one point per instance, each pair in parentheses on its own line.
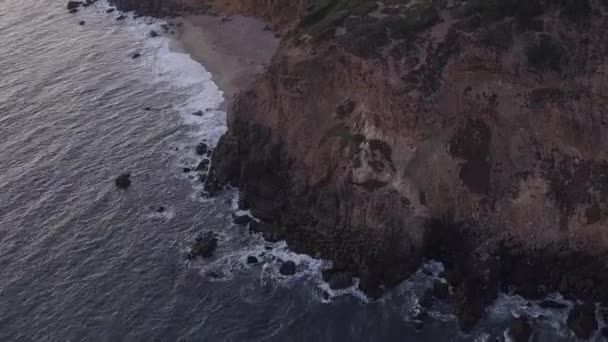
(82,260)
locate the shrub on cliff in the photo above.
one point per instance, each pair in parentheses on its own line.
(546,52)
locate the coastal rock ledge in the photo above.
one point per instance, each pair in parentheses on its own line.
(387,132)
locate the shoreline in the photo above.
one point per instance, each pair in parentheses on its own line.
(234,50)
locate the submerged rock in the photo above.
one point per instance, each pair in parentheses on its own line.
(441,289)
(153,34)
(81,22)
(74,4)
(198,113)
(203,165)
(288,268)
(204,246)
(121,17)
(241,219)
(201,148)
(519,329)
(123,181)
(110,10)
(73,10)
(550,304)
(252,260)
(187,169)
(340,280)
(582,320)
(136,55)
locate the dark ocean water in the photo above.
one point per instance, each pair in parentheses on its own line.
(84,261)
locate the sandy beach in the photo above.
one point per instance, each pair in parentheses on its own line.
(234,50)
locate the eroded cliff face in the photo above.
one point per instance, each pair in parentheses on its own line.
(377,118)
(474,132)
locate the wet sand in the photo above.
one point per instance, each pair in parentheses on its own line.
(234,50)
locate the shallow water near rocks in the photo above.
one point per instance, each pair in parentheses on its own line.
(84,261)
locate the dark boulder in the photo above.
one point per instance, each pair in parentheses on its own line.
(441,290)
(136,55)
(288,268)
(201,149)
(203,165)
(204,246)
(160,209)
(110,10)
(74,4)
(187,169)
(582,320)
(340,280)
(121,17)
(241,219)
(519,329)
(147,109)
(550,304)
(73,10)
(81,22)
(123,181)
(153,34)
(198,113)
(252,260)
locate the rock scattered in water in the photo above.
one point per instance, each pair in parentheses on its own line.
(582,320)
(241,219)
(213,274)
(198,113)
(73,10)
(201,148)
(252,260)
(187,169)
(121,17)
(202,178)
(110,10)
(340,281)
(267,28)
(74,4)
(204,246)
(160,209)
(441,290)
(136,55)
(202,166)
(153,34)
(123,181)
(520,329)
(81,22)
(288,268)
(147,109)
(550,304)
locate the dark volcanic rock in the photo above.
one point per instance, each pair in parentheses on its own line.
(441,290)
(187,169)
(519,329)
(201,149)
(288,268)
(123,181)
(582,320)
(204,246)
(153,34)
(81,23)
(198,113)
(136,55)
(203,165)
(110,10)
(251,259)
(121,17)
(550,304)
(340,280)
(241,219)
(74,4)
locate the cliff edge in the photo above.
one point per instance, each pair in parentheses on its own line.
(386,132)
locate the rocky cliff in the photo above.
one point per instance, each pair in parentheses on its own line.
(390,131)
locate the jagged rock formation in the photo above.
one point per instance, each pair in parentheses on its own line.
(474,132)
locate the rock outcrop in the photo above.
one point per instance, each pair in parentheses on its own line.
(386,132)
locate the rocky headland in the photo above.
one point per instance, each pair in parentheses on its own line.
(384,133)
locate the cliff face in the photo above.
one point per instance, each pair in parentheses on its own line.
(477,133)
(377,118)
